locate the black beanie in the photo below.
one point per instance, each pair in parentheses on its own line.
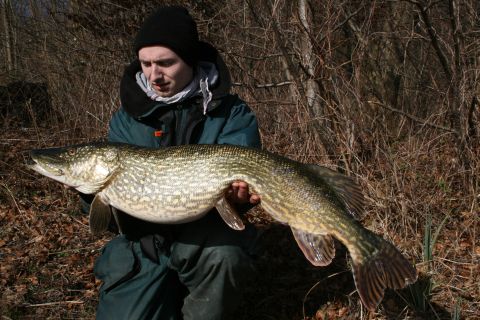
(172,27)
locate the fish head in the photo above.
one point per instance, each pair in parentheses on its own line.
(86,168)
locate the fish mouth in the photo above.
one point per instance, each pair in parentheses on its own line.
(45,161)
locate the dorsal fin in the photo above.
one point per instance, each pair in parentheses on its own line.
(346,189)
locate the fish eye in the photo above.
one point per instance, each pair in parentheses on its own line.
(71,152)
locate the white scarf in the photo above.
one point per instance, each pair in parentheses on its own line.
(206,75)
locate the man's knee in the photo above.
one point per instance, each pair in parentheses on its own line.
(228,258)
(206,262)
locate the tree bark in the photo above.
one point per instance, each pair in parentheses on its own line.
(312,88)
(7,40)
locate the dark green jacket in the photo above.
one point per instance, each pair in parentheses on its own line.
(230,122)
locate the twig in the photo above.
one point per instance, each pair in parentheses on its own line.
(434,39)
(261,58)
(458,262)
(266,85)
(314,286)
(46,304)
(10,193)
(73,251)
(412,117)
(95,117)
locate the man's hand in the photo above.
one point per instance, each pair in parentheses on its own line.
(239,194)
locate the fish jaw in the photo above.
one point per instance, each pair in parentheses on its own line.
(55,174)
(87,168)
(48,165)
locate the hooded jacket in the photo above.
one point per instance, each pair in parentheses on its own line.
(145,122)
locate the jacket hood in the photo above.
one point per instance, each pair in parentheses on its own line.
(136,103)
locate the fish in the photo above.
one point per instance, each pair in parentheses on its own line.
(182,183)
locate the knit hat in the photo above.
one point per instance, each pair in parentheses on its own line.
(172,27)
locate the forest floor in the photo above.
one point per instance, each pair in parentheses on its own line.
(47,256)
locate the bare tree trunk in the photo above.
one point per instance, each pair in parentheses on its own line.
(6,20)
(459,108)
(312,89)
(308,60)
(454,73)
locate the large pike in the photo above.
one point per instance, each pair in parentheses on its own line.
(180,184)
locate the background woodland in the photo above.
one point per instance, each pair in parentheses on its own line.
(384,91)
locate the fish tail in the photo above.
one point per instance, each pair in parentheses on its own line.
(386,268)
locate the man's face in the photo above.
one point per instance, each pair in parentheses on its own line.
(166,72)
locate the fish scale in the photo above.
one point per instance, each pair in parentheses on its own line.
(180,184)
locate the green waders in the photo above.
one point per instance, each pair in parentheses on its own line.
(206,269)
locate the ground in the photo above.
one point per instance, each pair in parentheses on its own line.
(47,256)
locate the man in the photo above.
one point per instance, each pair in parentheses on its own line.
(177,92)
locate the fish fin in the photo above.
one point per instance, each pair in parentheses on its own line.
(387,269)
(345,187)
(319,249)
(229,214)
(100,215)
(116,216)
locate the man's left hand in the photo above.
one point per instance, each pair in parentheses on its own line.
(239,194)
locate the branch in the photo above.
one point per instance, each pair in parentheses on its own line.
(412,117)
(434,39)
(266,85)
(456,32)
(47,304)
(259,58)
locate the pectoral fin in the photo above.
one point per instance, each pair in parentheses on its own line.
(318,249)
(100,215)
(229,214)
